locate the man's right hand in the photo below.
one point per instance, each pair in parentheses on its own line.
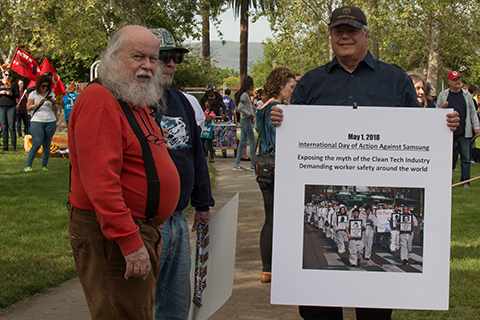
(276,115)
(138,264)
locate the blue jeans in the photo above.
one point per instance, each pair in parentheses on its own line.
(25,118)
(7,121)
(462,145)
(246,132)
(172,300)
(42,134)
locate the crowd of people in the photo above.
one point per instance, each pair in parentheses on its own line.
(35,109)
(356,229)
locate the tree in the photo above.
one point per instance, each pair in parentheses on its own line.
(433,37)
(241,8)
(73,33)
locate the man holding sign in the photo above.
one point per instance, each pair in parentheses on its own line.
(353,78)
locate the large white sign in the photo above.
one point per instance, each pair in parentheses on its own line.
(362,158)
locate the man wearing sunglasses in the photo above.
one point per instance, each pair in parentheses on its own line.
(173,295)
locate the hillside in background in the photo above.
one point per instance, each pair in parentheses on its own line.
(228,56)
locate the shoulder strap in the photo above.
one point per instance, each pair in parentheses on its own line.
(153,183)
(261,126)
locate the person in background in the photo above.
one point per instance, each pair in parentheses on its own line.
(429,94)
(420,88)
(211,111)
(473,91)
(462,102)
(259,102)
(229,105)
(68,101)
(41,103)
(245,107)
(212,94)
(22,113)
(8,93)
(278,88)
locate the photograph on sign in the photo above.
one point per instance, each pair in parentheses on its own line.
(329,228)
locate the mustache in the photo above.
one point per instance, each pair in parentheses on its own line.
(142,73)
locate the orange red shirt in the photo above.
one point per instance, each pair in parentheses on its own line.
(108,173)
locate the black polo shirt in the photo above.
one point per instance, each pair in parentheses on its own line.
(373,83)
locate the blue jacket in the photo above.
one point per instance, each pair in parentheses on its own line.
(187,152)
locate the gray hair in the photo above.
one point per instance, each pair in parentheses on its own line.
(116,79)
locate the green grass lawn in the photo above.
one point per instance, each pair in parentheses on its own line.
(35,253)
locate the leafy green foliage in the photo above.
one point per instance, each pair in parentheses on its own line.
(404,31)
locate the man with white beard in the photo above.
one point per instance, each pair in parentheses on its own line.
(124,184)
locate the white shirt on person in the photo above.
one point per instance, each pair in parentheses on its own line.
(45,112)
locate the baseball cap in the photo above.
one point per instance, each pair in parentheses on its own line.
(350,15)
(167,42)
(209,87)
(453,75)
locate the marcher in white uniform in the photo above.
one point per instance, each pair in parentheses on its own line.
(382,237)
(355,242)
(328,222)
(370,225)
(394,233)
(331,217)
(340,224)
(406,237)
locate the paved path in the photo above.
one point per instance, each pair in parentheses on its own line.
(250,298)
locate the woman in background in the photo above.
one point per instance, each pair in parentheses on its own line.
(43,124)
(277,90)
(8,93)
(245,108)
(420,88)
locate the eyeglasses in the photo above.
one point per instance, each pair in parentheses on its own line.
(455,80)
(165,56)
(150,137)
(46,87)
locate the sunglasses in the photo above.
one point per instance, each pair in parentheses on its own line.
(45,86)
(7,74)
(165,56)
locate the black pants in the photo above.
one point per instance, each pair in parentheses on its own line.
(267,230)
(335,313)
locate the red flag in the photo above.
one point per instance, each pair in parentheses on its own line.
(23,64)
(57,85)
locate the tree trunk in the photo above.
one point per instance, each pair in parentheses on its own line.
(373,34)
(243,39)
(206,33)
(434,54)
(331,54)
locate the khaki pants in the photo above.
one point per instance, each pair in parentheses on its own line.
(101,268)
